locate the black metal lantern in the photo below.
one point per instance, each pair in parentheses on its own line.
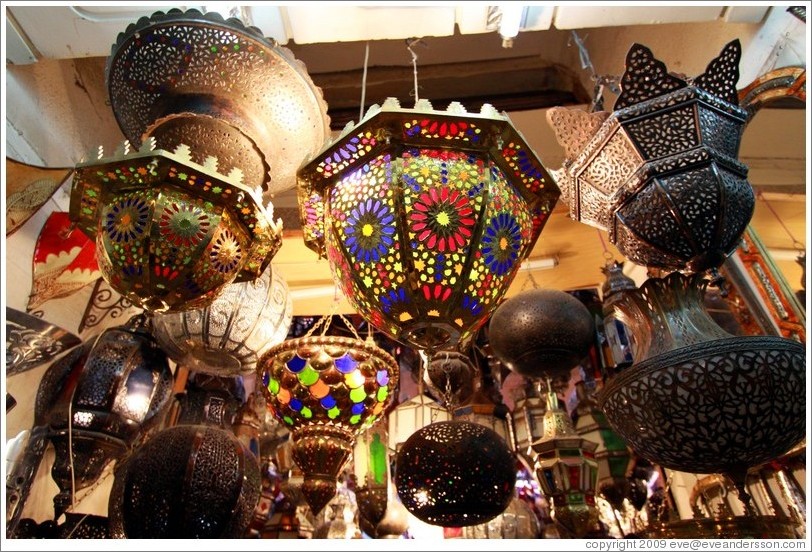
(660,173)
(541,332)
(455,474)
(188,481)
(100,402)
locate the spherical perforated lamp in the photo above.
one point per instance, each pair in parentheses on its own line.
(455,474)
(425,216)
(541,332)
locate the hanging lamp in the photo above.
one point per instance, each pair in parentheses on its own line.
(425,216)
(217,118)
(660,173)
(326,390)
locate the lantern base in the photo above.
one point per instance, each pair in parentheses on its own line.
(321,452)
(212,361)
(430,335)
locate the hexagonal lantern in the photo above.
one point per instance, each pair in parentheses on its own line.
(425,216)
(660,172)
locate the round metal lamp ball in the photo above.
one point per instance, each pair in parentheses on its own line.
(541,332)
(455,474)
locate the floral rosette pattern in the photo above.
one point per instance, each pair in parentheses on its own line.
(427,216)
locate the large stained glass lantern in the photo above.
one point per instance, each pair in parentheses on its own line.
(660,173)
(425,216)
(221,118)
(188,481)
(567,471)
(455,474)
(326,390)
(227,337)
(698,399)
(100,401)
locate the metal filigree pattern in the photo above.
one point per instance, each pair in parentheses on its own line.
(661,174)
(574,128)
(31,342)
(104,302)
(228,337)
(186,482)
(202,65)
(468,480)
(717,406)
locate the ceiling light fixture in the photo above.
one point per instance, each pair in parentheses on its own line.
(509,19)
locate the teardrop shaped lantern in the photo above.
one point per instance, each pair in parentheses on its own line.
(100,401)
(326,390)
(660,173)
(188,481)
(425,216)
(227,337)
(455,474)
(220,116)
(698,399)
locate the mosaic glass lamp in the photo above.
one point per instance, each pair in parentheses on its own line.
(326,390)
(660,173)
(425,216)
(219,119)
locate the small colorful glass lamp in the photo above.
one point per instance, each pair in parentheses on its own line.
(425,216)
(567,470)
(326,390)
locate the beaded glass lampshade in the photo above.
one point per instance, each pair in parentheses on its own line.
(660,172)
(326,390)
(425,216)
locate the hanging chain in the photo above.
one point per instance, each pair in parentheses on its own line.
(601,81)
(409,43)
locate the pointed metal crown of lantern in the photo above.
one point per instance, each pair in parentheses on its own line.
(425,216)
(206,104)
(660,173)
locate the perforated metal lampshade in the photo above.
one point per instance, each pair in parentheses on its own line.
(661,172)
(425,216)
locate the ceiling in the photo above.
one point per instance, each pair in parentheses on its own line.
(55,68)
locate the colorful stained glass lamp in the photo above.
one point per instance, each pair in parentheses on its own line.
(425,216)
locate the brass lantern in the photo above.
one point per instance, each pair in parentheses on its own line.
(326,390)
(567,471)
(660,173)
(220,118)
(425,216)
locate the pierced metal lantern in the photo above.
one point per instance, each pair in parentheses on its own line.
(567,471)
(187,481)
(425,216)
(541,333)
(326,390)
(451,377)
(698,399)
(171,234)
(100,401)
(221,88)
(227,337)
(517,522)
(455,474)
(660,173)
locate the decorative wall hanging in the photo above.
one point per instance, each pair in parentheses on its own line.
(187,481)
(94,404)
(221,88)
(64,261)
(326,390)
(27,188)
(171,234)
(32,342)
(541,333)
(227,337)
(567,471)
(455,474)
(425,216)
(698,399)
(660,173)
